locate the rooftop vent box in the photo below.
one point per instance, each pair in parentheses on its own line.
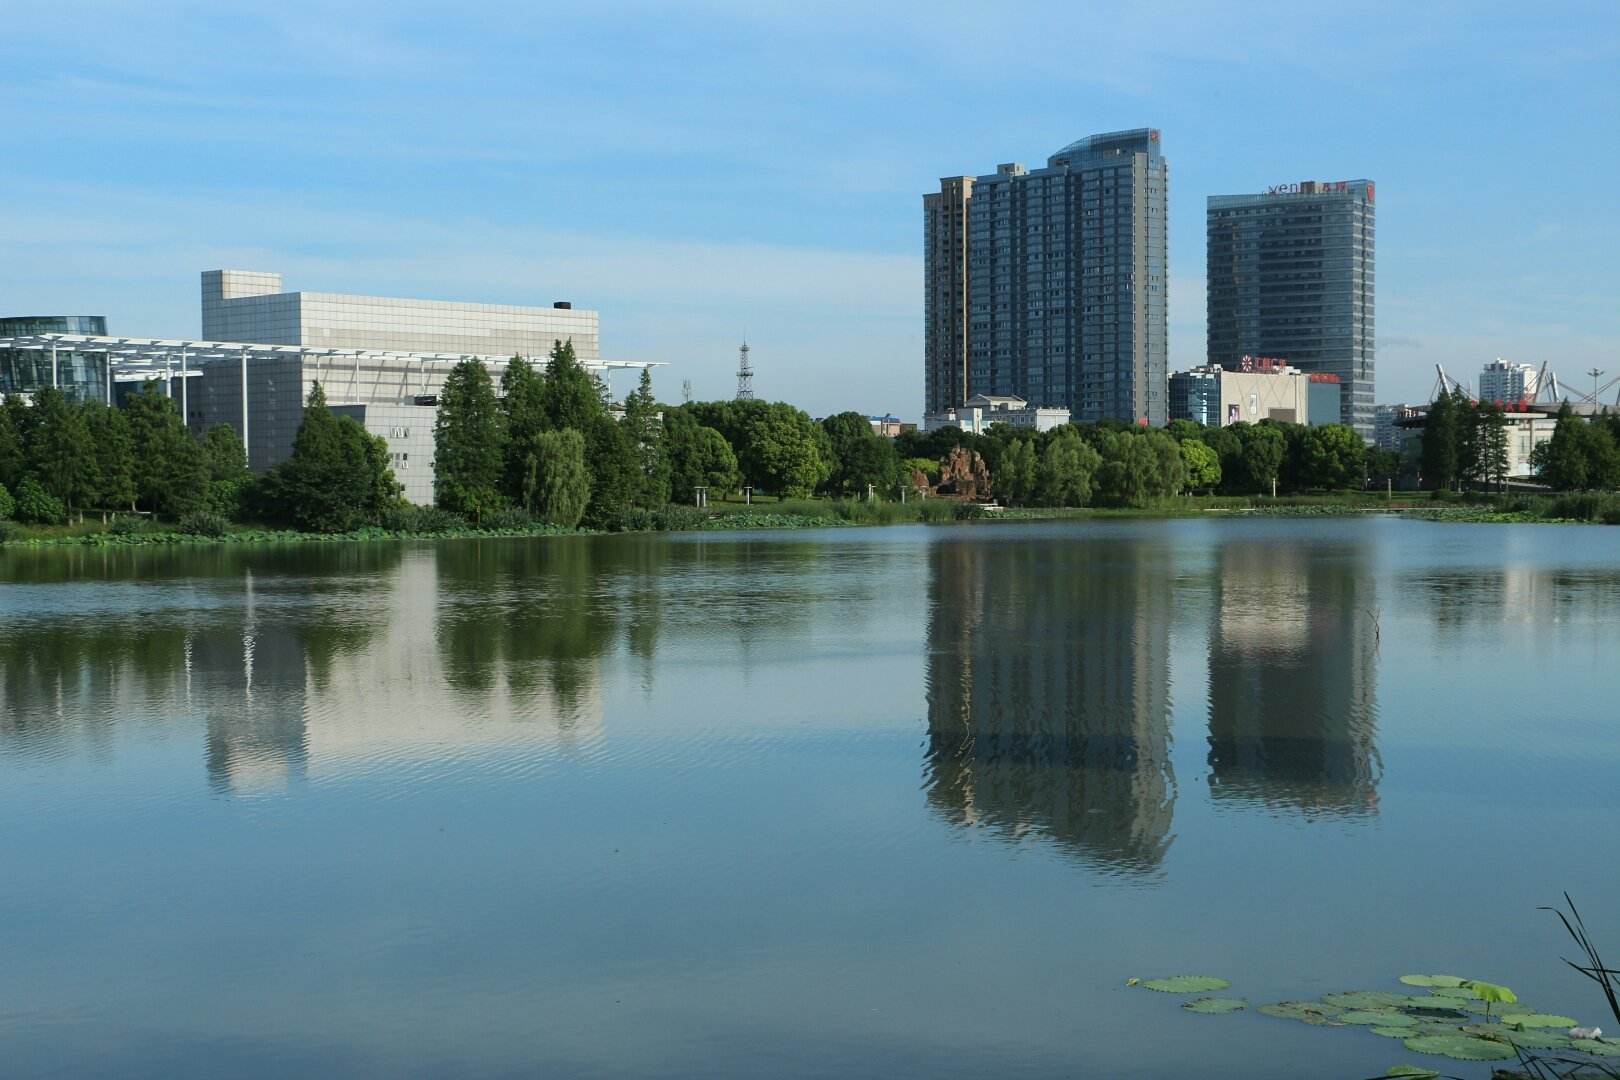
(565,305)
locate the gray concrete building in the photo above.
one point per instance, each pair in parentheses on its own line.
(1065,282)
(1290,275)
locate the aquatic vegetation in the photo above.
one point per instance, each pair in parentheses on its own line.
(1432,980)
(1460,1046)
(1537,1020)
(1216,1006)
(1416,1072)
(1315,1013)
(1186,984)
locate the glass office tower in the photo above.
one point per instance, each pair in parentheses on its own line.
(1065,281)
(80,375)
(1291,276)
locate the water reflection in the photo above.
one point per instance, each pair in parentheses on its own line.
(1514,593)
(1292,664)
(1048,694)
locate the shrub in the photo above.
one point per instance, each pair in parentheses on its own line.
(1611,515)
(936,510)
(507,517)
(36,506)
(8,505)
(423,520)
(1582,506)
(125,525)
(203,523)
(8,531)
(967,511)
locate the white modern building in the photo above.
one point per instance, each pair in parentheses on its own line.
(380,360)
(1507,383)
(980,411)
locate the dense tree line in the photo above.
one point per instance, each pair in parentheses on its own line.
(1115,464)
(1582,455)
(60,459)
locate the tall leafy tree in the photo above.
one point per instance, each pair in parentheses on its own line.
(523,413)
(857,455)
(1202,464)
(113,464)
(1015,479)
(171,474)
(1491,438)
(13,455)
(573,398)
(60,453)
(1065,470)
(1442,433)
(782,452)
(224,454)
(1335,457)
(468,442)
(615,472)
(698,457)
(561,485)
(337,477)
(1263,446)
(645,428)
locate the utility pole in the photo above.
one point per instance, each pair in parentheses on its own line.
(745,375)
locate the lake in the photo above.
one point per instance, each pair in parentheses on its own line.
(844,802)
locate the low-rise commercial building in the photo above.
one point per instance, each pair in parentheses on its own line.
(980,411)
(1526,430)
(1260,389)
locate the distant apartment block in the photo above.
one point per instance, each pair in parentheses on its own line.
(981,410)
(1063,273)
(1290,275)
(1508,384)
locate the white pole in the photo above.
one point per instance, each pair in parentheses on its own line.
(109,376)
(54,383)
(168,378)
(185,402)
(245,445)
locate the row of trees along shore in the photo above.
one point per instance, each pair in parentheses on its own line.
(543,446)
(1465,444)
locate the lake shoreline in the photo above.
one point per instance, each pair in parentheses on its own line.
(835,515)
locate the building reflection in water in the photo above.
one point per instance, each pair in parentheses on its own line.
(1292,664)
(1048,694)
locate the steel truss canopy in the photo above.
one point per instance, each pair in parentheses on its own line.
(136,358)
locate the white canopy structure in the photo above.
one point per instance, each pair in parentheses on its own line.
(132,359)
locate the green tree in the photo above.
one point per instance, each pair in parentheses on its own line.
(1262,455)
(1182,430)
(171,475)
(1202,464)
(1383,466)
(1017,477)
(1130,473)
(8,505)
(60,454)
(1064,473)
(224,454)
(113,469)
(857,455)
(698,456)
(468,442)
(1442,433)
(1335,457)
(615,472)
(337,477)
(1580,456)
(13,455)
(36,506)
(561,485)
(524,418)
(573,398)
(1492,439)
(782,453)
(645,427)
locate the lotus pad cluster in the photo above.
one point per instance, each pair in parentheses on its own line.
(1445,1015)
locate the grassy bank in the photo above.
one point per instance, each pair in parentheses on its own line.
(771,513)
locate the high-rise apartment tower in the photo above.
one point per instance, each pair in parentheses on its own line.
(1291,276)
(1050,284)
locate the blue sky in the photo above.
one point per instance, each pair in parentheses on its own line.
(695,171)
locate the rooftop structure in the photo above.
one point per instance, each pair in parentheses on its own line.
(980,411)
(1256,388)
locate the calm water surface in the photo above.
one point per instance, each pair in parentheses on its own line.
(845,803)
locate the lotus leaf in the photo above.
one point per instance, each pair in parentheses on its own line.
(1530,1038)
(1377,1018)
(1537,1020)
(1432,980)
(1307,1012)
(1492,992)
(1393,1032)
(1414,1071)
(1186,984)
(1216,1006)
(1460,1046)
(1455,992)
(1366,999)
(1593,1046)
